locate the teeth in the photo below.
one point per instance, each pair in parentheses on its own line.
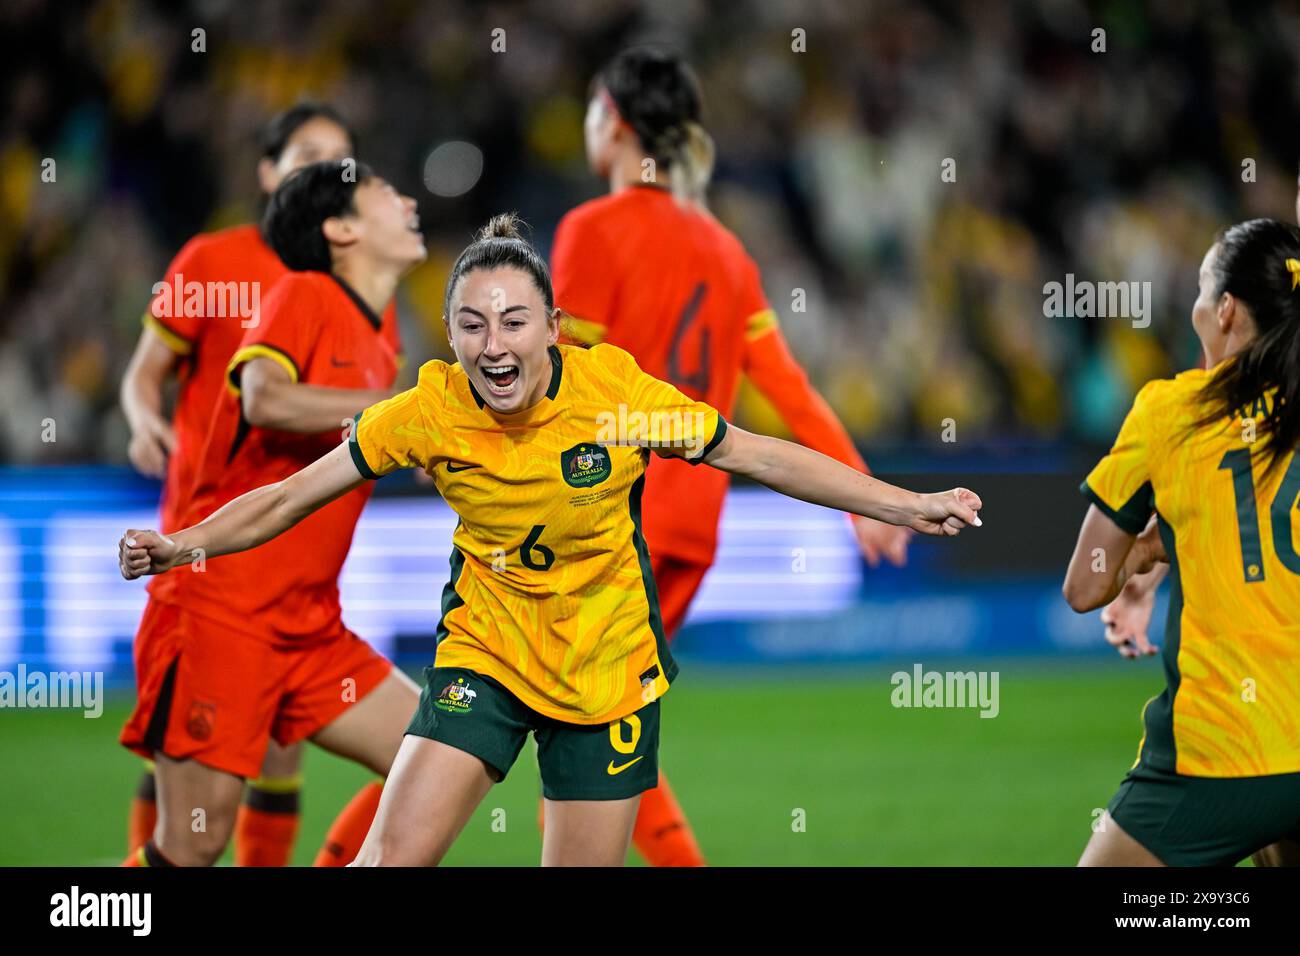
(500,369)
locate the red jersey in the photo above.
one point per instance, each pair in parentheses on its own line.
(670,284)
(321,333)
(198,314)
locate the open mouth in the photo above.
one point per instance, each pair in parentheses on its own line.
(413,224)
(501,378)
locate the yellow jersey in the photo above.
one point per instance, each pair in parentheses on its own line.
(551,591)
(1232,642)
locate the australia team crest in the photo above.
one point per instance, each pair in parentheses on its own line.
(457,698)
(585,465)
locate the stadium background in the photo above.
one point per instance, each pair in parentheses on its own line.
(923,301)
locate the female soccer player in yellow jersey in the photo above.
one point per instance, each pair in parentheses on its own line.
(1212,454)
(550,622)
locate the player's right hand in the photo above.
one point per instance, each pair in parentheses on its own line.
(1128,617)
(145,552)
(151,442)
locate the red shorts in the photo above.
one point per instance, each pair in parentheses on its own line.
(217,696)
(676,581)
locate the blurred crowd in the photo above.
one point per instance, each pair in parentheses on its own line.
(910,287)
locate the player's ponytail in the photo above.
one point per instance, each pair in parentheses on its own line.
(499,245)
(658,95)
(1258,263)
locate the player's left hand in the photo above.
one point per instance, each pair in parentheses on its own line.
(877,539)
(145,552)
(947,512)
(1128,617)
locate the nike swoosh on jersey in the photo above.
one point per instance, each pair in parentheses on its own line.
(612,770)
(452,468)
(339,364)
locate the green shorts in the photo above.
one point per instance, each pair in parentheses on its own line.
(1206,821)
(474,713)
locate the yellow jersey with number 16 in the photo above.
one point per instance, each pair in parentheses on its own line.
(1230,526)
(551,591)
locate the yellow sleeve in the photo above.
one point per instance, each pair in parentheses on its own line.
(656,415)
(1120,485)
(400,432)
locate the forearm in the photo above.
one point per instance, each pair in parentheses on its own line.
(142,389)
(246,522)
(298,407)
(1145,560)
(811,476)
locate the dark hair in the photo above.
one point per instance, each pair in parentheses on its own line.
(1252,265)
(658,95)
(276,134)
(499,245)
(302,203)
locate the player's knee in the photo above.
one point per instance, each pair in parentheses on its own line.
(193,849)
(281,762)
(197,840)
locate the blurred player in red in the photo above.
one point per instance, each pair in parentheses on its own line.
(677,290)
(255,647)
(192,339)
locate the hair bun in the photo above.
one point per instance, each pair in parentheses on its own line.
(501,226)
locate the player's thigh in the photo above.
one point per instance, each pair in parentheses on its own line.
(370,731)
(592,780)
(281,762)
(1111,846)
(1184,820)
(431,792)
(1281,853)
(196,810)
(588,832)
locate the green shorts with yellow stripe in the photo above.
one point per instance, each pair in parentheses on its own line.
(474,713)
(1206,821)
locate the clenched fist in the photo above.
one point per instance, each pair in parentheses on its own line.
(947,512)
(146,552)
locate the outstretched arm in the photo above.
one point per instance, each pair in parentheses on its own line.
(810,476)
(251,519)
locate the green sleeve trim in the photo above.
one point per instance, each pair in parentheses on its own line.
(714,442)
(1132,516)
(358,458)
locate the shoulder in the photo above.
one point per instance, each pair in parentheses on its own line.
(603,371)
(1164,406)
(602,358)
(1163,395)
(222,242)
(436,374)
(441,386)
(592,214)
(296,285)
